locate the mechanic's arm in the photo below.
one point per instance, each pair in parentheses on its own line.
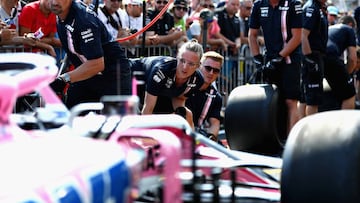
(292,43)
(87,70)
(351,59)
(305,45)
(180,102)
(253,42)
(149,103)
(214,126)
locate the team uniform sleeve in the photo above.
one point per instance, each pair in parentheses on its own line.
(155,81)
(254,20)
(310,17)
(351,38)
(90,35)
(296,15)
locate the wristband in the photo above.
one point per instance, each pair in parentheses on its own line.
(65,77)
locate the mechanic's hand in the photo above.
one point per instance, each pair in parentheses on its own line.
(58,85)
(258,61)
(312,70)
(271,69)
(181,111)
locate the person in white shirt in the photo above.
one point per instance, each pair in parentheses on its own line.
(132,17)
(109,14)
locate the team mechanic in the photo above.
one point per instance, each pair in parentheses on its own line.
(281,22)
(101,67)
(170,81)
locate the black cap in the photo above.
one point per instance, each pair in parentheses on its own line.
(181,2)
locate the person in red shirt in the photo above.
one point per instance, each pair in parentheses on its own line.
(37,19)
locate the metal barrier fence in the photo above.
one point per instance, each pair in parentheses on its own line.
(150,50)
(236,71)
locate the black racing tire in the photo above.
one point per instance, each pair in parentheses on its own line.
(321,159)
(255,119)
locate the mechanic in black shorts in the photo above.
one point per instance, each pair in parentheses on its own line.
(101,67)
(282,36)
(338,74)
(313,42)
(169,81)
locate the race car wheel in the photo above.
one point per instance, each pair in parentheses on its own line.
(255,119)
(321,159)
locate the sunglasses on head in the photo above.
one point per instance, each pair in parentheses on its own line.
(161,2)
(214,70)
(179,8)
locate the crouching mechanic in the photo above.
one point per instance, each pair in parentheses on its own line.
(169,81)
(101,67)
(206,103)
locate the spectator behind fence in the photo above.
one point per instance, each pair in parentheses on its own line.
(164,26)
(313,42)
(206,103)
(244,14)
(229,24)
(169,81)
(132,19)
(341,38)
(101,67)
(282,42)
(195,14)
(9,11)
(332,14)
(109,14)
(215,39)
(37,21)
(213,36)
(178,12)
(132,16)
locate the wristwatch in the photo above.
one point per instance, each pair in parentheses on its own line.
(65,77)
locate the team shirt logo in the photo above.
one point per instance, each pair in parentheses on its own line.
(264,11)
(309,12)
(87,35)
(298,9)
(169,83)
(158,76)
